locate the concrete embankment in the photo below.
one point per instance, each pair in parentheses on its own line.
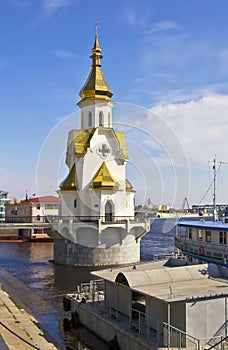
(18,330)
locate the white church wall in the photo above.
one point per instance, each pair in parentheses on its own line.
(111,236)
(67,199)
(95,107)
(87,237)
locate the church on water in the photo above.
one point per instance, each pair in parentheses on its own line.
(97,225)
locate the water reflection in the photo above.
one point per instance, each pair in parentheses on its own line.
(27,273)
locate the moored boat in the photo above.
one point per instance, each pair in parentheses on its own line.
(203,240)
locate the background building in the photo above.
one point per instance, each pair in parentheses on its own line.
(31,210)
(3,201)
(208,208)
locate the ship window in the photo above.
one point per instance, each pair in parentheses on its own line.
(101,118)
(222,237)
(190,233)
(38,206)
(199,235)
(90,119)
(38,218)
(75,203)
(208,236)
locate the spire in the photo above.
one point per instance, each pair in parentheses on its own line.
(96,86)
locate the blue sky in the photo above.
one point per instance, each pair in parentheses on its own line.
(169,59)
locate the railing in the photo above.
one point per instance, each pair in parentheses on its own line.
(90,291)
(161,334)
(164,335)
(25,219)
(219,345)
(91,219)
(55,219)
(202,249)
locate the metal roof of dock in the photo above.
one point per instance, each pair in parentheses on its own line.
(168,283)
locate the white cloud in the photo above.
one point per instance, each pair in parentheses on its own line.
(51,6)
(132,18)
(200,125)
(63,54)
(46,8)
(164,25)
(223,55)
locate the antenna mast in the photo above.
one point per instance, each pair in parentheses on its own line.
(214,194)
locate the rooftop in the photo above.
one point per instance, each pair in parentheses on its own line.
(204,224)
(44,199)
(167,283)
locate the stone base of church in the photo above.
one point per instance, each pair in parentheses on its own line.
(67,252)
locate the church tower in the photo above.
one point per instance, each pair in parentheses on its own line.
(96,214)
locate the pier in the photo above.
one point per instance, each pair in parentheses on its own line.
(18,330)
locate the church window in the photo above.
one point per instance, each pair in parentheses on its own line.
(101,117)
(90,119)
(108,211)
(75,203)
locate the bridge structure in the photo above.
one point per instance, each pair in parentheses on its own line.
(25,228)
(16,226)
(50,222)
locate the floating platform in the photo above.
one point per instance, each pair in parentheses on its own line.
(154,305)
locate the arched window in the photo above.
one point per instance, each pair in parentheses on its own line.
(101,117)
(108,211)
(75,203)
(90,119)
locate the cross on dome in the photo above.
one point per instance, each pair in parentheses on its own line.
(97,28)
(95,86)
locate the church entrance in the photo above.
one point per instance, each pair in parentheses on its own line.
(108,211)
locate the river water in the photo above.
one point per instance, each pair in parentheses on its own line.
(28,274)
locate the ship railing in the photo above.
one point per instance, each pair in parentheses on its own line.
(160,334)
(92,291)
(164,335)
(210,250)
(221,344)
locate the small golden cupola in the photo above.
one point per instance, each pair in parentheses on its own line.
(96,87)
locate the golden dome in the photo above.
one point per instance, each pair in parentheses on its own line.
(96,86)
